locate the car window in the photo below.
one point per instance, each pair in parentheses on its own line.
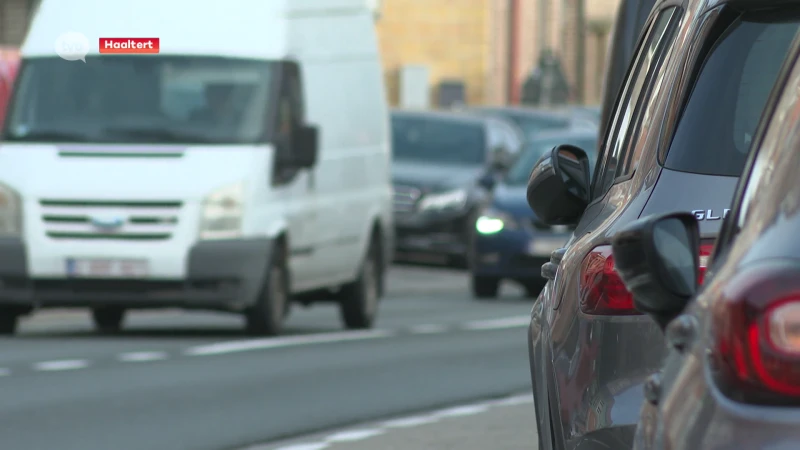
(436,140)
(714,133)
(646,61)
(535,149)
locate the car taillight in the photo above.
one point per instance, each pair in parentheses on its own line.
(756,330)
(602,291)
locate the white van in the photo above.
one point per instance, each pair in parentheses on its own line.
(243,167)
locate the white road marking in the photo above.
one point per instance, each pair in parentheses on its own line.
(353,435)
(142,356)
(462,411)
(513,401)
(408,422)
(428,328)
(314,446)
(64,364)
(4,372)
(290,341)
(498,324)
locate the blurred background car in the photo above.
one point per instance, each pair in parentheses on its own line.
(511,243)
(531,121)
(443,167)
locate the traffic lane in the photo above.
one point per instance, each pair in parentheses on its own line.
(69,335)
(230,400)
(503,424)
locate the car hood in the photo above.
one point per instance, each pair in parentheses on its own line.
(434,176)
(511,200)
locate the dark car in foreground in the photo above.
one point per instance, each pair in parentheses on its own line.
(531,121)
(510,242)
(731,379)
(443,167)
(677,140)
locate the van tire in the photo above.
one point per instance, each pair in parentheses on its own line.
(8,321)
(485,287)
(108,320)
(266,317)
(358,304)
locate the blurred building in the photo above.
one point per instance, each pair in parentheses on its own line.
(489,47)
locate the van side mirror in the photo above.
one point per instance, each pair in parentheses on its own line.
(658,259)
(558,188)
(305,143)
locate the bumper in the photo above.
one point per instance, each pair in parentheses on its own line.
(222,275)
(517,254)
(444,234)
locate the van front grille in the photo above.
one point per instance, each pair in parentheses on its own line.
(109,220)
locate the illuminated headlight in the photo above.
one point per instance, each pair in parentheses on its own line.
(491,222)
(10,212)
(222,213)
(455,199)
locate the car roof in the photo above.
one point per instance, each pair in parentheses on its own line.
(580,133)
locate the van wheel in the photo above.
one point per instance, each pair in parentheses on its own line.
(8,321)
(265,318)
(108,320)
(485,287)
(359,300)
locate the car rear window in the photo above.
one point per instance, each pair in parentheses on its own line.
(437,141)
(714,133)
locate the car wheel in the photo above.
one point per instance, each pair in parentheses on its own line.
(108,320)
(8,321)
(265,318)
(485,287)
(358,305)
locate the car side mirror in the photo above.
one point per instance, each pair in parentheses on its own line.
(500,158)
(658,259)
(558,188)
(305,143)
(488,180)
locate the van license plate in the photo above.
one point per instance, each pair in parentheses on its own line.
(106,268)
(544,246)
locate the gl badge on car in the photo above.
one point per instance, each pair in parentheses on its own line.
(708,214)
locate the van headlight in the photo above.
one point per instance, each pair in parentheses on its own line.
(222,213)
(10,211)
(455,199)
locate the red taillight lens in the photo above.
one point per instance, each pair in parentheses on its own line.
(756,326)
(602,291)
(705,255)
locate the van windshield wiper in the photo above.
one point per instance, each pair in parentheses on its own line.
(159,134)
(50,136)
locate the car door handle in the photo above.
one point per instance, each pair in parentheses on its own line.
(557,255)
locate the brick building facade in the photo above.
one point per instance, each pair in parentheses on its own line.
(492,45)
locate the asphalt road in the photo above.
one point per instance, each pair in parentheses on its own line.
(179,381)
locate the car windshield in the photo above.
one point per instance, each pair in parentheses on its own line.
(141,99)
(720,118)
(535,149)
(438,141)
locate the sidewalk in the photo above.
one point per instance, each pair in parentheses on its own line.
(507,424)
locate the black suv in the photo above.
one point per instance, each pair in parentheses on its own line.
(677,139)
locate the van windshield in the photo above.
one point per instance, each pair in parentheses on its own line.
(437,141)
(141,99)
(714,134)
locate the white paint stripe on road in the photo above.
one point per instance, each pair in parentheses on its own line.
(462,411)
(142,356)
(498,324)
(353,435)
(290,341)
(407,422)
(64,364)
(513,401)
(428,328)
(314,446)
